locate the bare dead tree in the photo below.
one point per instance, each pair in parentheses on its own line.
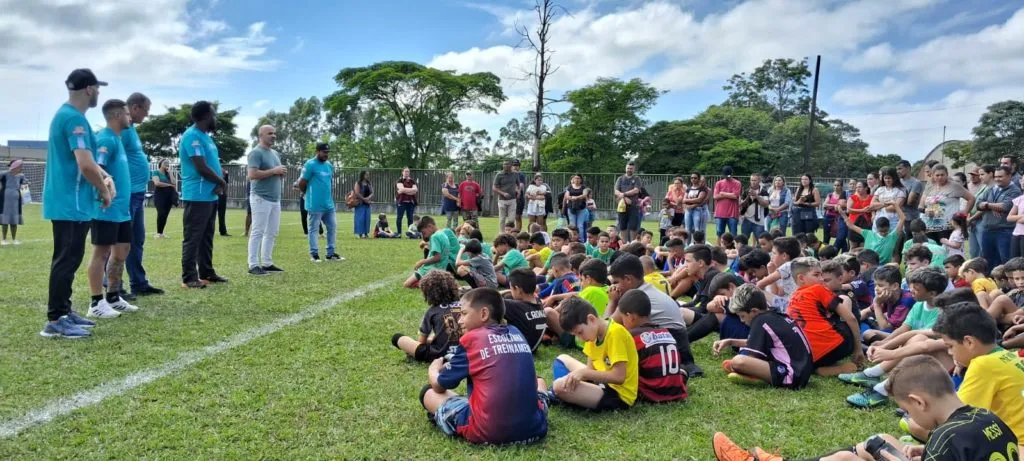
(539,41)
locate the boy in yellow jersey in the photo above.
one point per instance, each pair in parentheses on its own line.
(653,277)
(974,272)
(539,251)
(610,378)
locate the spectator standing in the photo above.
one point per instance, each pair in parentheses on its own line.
(201,185)
(575,203)
(727,204)
(888,196)
(627,191)
(506,188)
(316,185)
(986,173)
(779,201)
(754,207)
(835,226)
(265,172)
(165,194)
(941,202)
(995,204)
(364,196)
(676,194)
(450,200)
(805,206)
(405,197)
(469,197)
(11,201)
(695,206)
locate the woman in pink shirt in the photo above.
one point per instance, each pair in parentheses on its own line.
(676,193)
(727,204)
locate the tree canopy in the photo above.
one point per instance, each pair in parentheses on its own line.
(160,133)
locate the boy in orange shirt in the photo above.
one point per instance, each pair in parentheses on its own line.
(827,320)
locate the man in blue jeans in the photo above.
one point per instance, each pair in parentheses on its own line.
(405,198)
(316,185)
(995,204)
(138,167)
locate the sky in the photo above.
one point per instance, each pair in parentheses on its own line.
(900,70)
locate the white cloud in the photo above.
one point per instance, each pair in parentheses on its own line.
(260,103)
(153,47)
(889,89)
(877,57)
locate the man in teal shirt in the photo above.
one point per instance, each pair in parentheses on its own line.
(72,185)
(316,183)
(111,229)
(201,183)
(138,167)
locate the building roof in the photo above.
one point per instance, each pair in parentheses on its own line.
(22,144)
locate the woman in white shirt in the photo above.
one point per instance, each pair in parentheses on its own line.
(535,210)
(889,195)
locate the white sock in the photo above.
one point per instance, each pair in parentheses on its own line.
(874,372)
(880,388)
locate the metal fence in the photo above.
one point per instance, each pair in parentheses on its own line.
(429,181)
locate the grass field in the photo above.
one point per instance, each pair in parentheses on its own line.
(330,386)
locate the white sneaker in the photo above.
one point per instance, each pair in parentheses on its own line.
(102,310)
(123,306)
(17,242)
(3,243)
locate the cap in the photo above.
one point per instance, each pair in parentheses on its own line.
(80,79)
(323,147)
(514,162)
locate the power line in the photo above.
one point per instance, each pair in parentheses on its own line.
(941,109)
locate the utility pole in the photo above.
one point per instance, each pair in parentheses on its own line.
(814,109)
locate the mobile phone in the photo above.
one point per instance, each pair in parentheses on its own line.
(876,445)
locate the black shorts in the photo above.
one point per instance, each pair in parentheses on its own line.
(106,233)
(520,205)
(424,354)
(610,401)
(841,351)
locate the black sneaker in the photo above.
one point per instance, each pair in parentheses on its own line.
(216,279)
(193,284)
(257,270)
(335,257)
(126,295)
(148,290)
(272,268)
(314,257)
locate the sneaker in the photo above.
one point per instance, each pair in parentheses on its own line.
(80,321)
(63,328)
(272,268)
(335,257)
(126,295)
(727,450)
(148,290)
(859,378)
(766,456)
(17,242)
(315,258)
(867,399)
(216,279)
(193,284)
(4,243)
(727,366)
(739,378)
(102,310)
(257,270)
(123,306)
(693,370)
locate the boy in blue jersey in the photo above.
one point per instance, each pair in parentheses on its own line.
(316,183)
(201,183)
(111,229)
(72,185)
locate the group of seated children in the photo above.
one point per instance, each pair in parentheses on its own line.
(382,230)
(783,315)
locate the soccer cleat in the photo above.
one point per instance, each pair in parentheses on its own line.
(102,310)
(727,450)
(740,378)
(335,257)
(859,378)
(272,268)
(905,424)
(123,306)
(193,284)
(257,271)
(63,328)
(315,258)
(867,399)
(80,321)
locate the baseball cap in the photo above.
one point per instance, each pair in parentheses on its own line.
(79,79)
(323,147)
(514,162)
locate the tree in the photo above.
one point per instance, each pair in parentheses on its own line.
(741,122)
(468,149)
(539,41)
(160,133)
(778,86)
(422,102)
(515,139)
(1000,132)
(297,130)
(603,125)
(961,152)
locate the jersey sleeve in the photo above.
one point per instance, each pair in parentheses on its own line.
(757,343)
(76,132)
(193,147)
(105,149)
(307,173)
(425,325)
(455,370)
(619,343)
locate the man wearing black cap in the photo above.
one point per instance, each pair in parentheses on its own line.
(201,184)
(506,188)
(316,184)
(72,186)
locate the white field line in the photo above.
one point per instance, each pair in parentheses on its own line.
(66,405)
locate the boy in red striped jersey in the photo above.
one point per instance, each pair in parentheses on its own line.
(661,379)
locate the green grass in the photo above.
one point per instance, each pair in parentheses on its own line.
(332,386)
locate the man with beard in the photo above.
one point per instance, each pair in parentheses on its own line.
(201,184)
(316,184)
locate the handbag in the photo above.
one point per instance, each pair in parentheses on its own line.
(807,215)
(351,200)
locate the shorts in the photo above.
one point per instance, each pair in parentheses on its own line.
(780,374)
(841,351)
(455,412)
(520,205)
(424,354)
(630,219)
(106,233)
(427,268)
(611,401)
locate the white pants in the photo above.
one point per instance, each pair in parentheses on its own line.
(266,219)
(506,213)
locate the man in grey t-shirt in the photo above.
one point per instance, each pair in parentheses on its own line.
(264,172)
(627,189)
(506,188)
(914,190)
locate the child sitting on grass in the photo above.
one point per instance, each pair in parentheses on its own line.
(414,226)
(921,387)
(826,319)
(563,280)
(613,237)
(382,230)
(776,352)
(660,378)
(780,284)
(883,239)
(1006,309)
(507,403)
(523,243)
(952,266)
(477,270)
(754,265)
(604,250)
(560,240)
(594,290)
(609,379)
(593,235)
(652,276)
(509,258)
(974,272)
(890,308)
(716,318)
(439,330)
(523,311)
(539,251)
(442,248)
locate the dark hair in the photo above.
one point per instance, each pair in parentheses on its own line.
(524,236)
(920,253)
(746,298)
(560,260)
(635,302)
(827,252)
(674,243)
(800,188)
(718,255)
(956,261)
(112,105)
(979,265)
(756,259)
(955,296)
(560,233)
(479,298)
(903,163)
(917,225)
(700,253)
(1013,265)
(888,274)
(891,172)
(424,222)
(200,110)
(137,99)
(505,239)
(574,313)
(537,239)
(849,263)
(989,168)
(788,246)
(627,266)
(473,246)
(576,260)
(933,280)
(523,279)
(882,223)
(742,239)
(362,176)
(966,319)
(634,248)
(721,281)
(698,236)
(595,269)
(727,240)
(869,257)
(604,235)
(961,221)
(476,234)
(577,248)
(920,373)
(832,267)
(439,288)
(594,230)
(765,235)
